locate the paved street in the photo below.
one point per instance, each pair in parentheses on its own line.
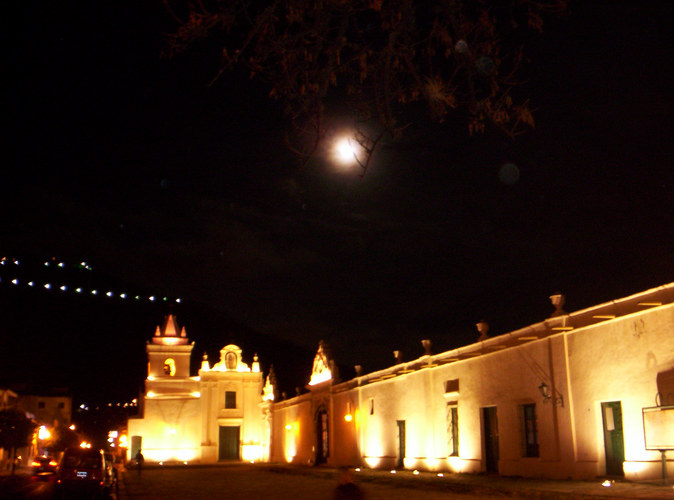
(239,481)
(244,482)
(277,482)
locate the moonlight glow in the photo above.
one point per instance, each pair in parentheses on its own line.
(345,153)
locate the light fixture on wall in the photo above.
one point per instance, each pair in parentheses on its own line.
(549,397)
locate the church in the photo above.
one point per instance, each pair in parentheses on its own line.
(221,414)
(578,395)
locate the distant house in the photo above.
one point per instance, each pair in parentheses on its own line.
(8,398)
(52,407)
(578,395)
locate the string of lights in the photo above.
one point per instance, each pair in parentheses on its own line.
(14,272)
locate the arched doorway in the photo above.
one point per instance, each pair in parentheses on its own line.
(322,436)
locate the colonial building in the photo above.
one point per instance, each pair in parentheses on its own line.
(578,395)
(218,415)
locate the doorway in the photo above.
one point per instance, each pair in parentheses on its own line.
(400,463)
(614,447)
(136,445)
(490,439)
(322,436)
(229,443)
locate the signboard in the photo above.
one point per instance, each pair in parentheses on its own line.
(659,427)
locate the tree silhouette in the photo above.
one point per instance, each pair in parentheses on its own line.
(16,431)
(372,57)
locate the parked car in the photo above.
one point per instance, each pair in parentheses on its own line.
(82,472)
(44,467)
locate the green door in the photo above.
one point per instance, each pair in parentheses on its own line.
(614,446)
(322,437)
(136,445)
(400,463)
(229,443)
(490,439)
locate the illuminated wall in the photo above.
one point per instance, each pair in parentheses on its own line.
(170,429)
(183,415)
(620,362)
(243,409)
(542,385)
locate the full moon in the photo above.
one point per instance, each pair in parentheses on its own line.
(344,152)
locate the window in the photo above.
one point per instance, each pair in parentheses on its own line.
(230,399)
(230,361)
(529,430)
(452,386)
(40,405)
(169,367)
(61,405)
(371,406)
(453,429)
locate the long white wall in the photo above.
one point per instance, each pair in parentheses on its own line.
(585,359)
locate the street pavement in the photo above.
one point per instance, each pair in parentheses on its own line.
(284,482)
(242,481)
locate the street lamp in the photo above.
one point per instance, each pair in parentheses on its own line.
(548,397)
(42,435)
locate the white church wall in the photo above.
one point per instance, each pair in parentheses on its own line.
(619,361)
(169,430)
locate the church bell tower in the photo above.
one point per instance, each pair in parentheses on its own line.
(168,355)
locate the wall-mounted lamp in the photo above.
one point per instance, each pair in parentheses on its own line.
(349,414)
(548,396)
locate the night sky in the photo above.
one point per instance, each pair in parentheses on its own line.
(167,186)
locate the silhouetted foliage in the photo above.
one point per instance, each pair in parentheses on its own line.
(374,57)
(16,431)
(62,437)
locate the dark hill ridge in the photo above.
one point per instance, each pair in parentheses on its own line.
(95,344)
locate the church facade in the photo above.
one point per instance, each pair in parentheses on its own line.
(218,415)
(578,395)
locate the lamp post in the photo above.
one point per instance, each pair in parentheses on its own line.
(42,435)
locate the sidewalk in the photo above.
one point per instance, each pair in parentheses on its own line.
(477,484)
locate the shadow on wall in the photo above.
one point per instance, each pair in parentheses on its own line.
(665,382)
